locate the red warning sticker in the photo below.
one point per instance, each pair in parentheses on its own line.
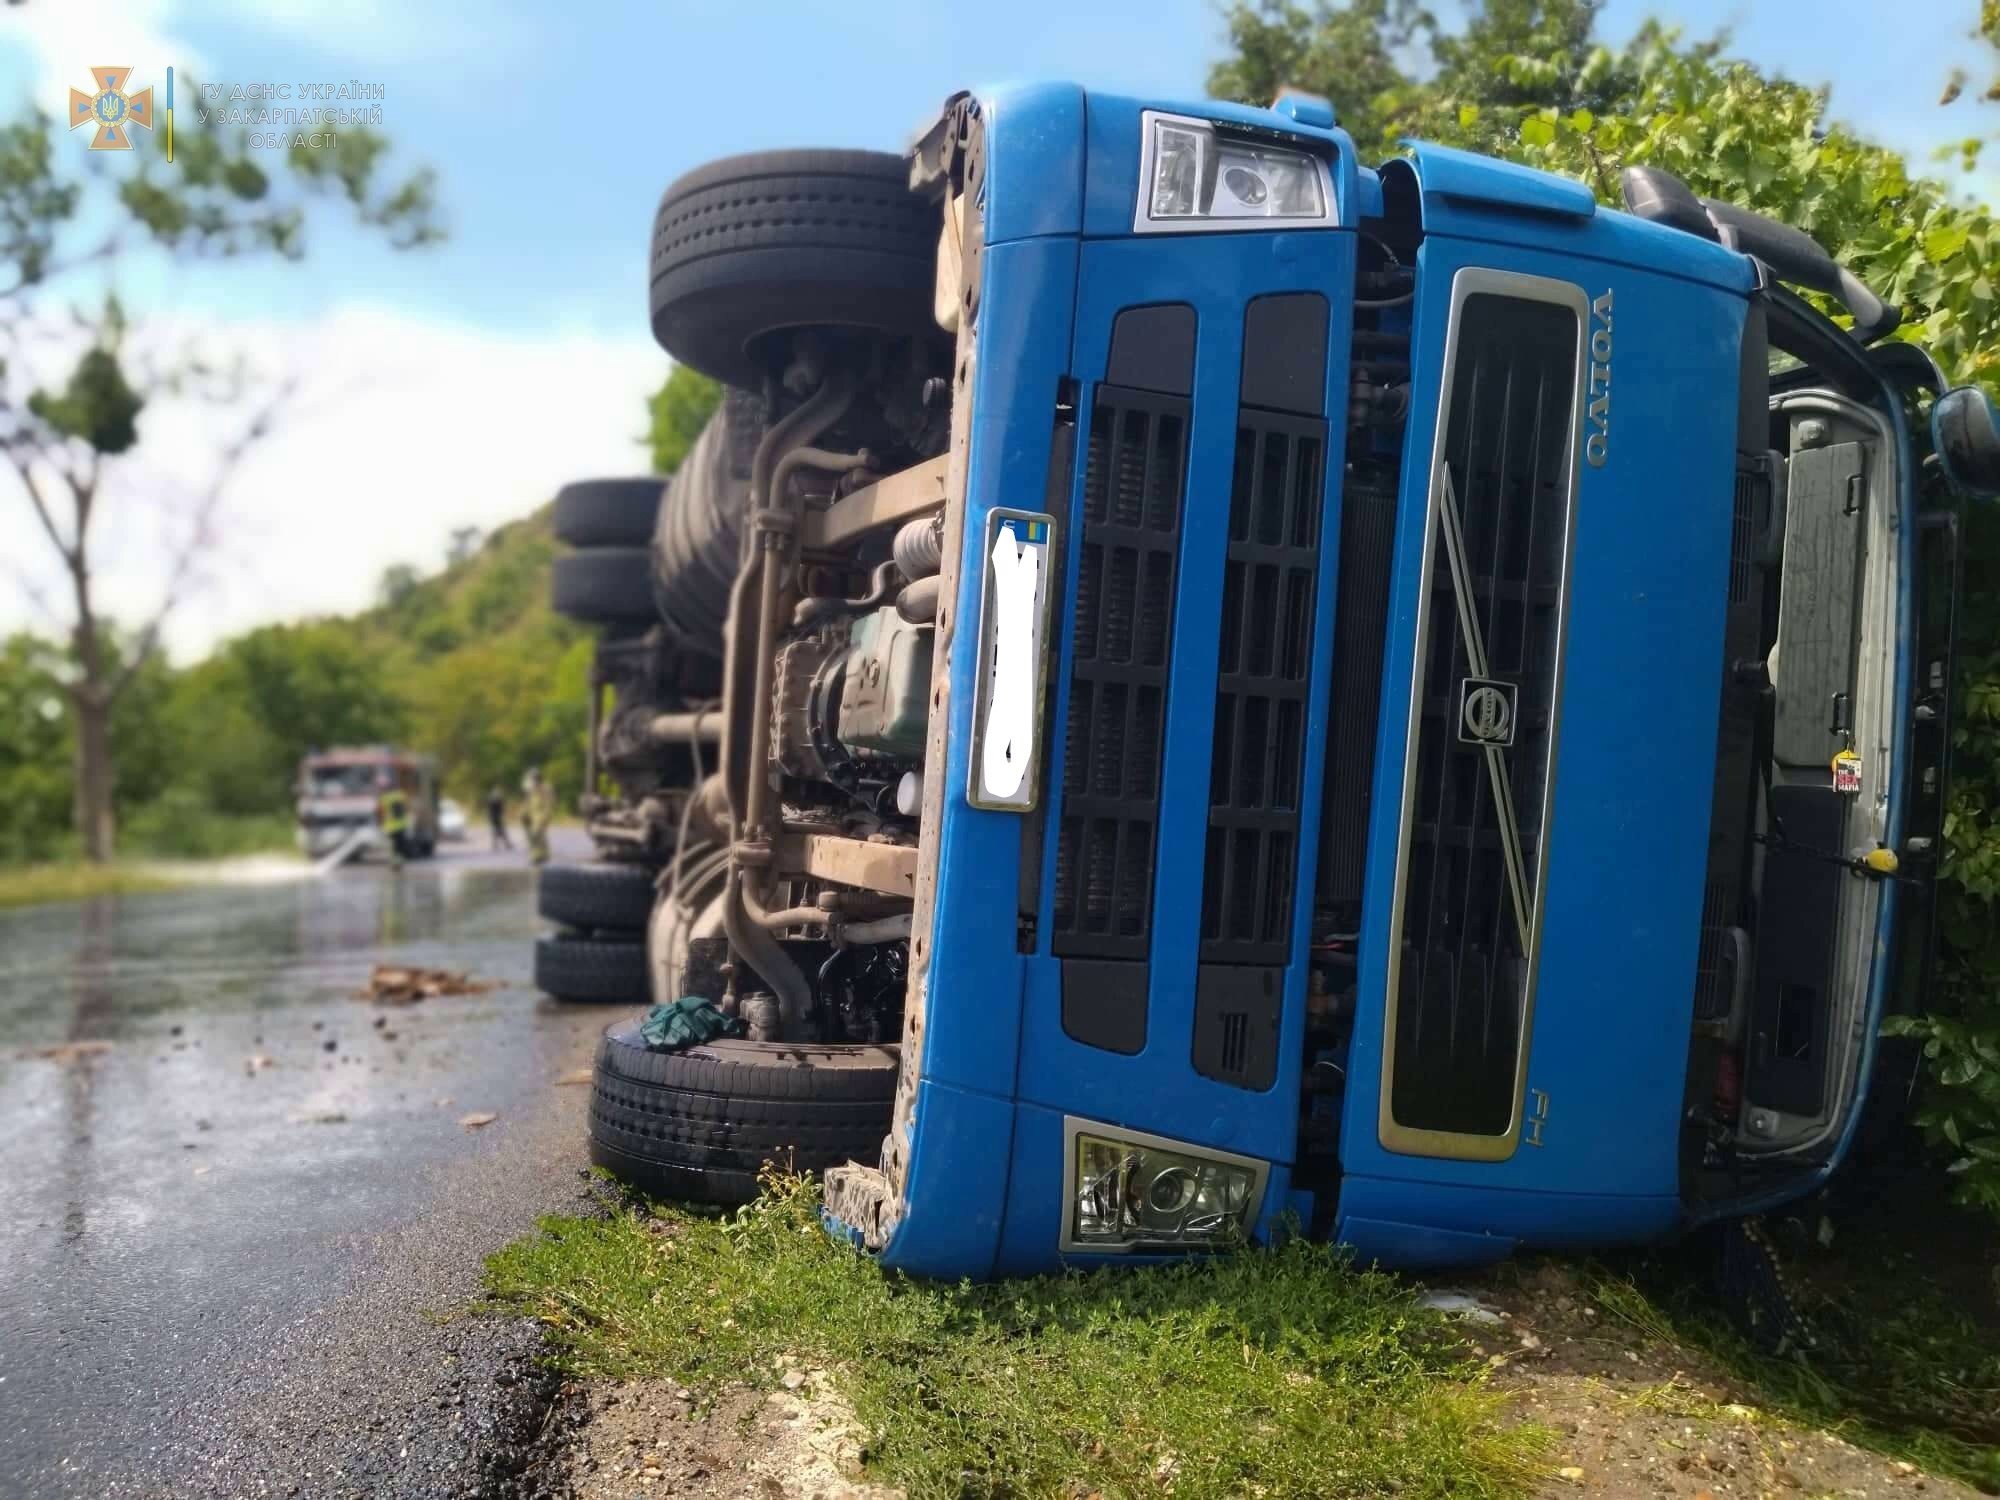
(1847,773)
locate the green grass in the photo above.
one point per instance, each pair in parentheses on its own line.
(1276,1374)
(35,885)
(1900,1369)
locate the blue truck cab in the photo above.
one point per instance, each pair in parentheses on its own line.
(1434,712)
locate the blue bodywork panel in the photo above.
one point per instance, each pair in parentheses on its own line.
(1157,1089)
(1633,775)
(1627,838)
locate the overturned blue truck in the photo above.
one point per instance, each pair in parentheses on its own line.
(1194,683)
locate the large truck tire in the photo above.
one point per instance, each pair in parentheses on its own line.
(600,897)
(697,548)
(591,970)
(608,512)
(750,246)
(701,1124)
(603,585)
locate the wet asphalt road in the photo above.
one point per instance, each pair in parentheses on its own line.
(220,1278)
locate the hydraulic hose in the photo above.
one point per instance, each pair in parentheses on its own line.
(776,526)
(743,643)
(749,662)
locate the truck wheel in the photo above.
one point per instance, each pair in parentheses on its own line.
(597,897)
(608,512)
(591,970)
(750,246)
(700,1124)
(603,585)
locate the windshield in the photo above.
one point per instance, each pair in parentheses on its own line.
(345,781)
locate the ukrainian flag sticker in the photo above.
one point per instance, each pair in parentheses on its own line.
(1027,531)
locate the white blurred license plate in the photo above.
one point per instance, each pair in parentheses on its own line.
(1013,647)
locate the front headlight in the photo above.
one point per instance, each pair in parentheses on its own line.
(1193,178)
(1131,1191)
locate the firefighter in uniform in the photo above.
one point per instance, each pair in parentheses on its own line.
(538,811)
(395,821)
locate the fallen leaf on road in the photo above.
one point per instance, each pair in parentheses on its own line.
(320,1117)
(477,1118)
(394,984)
(201,1171)
(70,1051)
(256,1062)
(575,1075)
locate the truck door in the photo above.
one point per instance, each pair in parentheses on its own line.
(1549,702)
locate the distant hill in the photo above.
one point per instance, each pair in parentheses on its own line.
(489,679)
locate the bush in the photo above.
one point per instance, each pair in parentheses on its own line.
(179,824)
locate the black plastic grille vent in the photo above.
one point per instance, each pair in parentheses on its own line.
(1135,469)
(1714,979)
(1742,555)
(1498,555)
(1360,630)
(1261,686)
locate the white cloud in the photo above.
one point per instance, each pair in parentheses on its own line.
(69,38)
(401,429)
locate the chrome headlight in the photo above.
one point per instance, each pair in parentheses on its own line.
(1192,177)
(1132,1191)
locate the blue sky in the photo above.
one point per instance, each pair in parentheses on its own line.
(519,350)
(554,128)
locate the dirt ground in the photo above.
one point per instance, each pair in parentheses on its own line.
(1636,1417)
(1633,1418)
(647,1439)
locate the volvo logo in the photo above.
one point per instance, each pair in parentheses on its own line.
(1486,712)
(1597,445)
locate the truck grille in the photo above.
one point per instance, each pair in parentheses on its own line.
(1135,469)
(1489,647)
(1714,980)
(1261,688)
(1367,548)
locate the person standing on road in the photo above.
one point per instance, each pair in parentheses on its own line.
(496,817)
(395,820)
(537,813)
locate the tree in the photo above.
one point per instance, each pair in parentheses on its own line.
(676,415)
(397,583)
(34,745)
(1527,81)
(63,439)
(1347,53)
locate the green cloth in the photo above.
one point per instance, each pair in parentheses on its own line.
(686,1022)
